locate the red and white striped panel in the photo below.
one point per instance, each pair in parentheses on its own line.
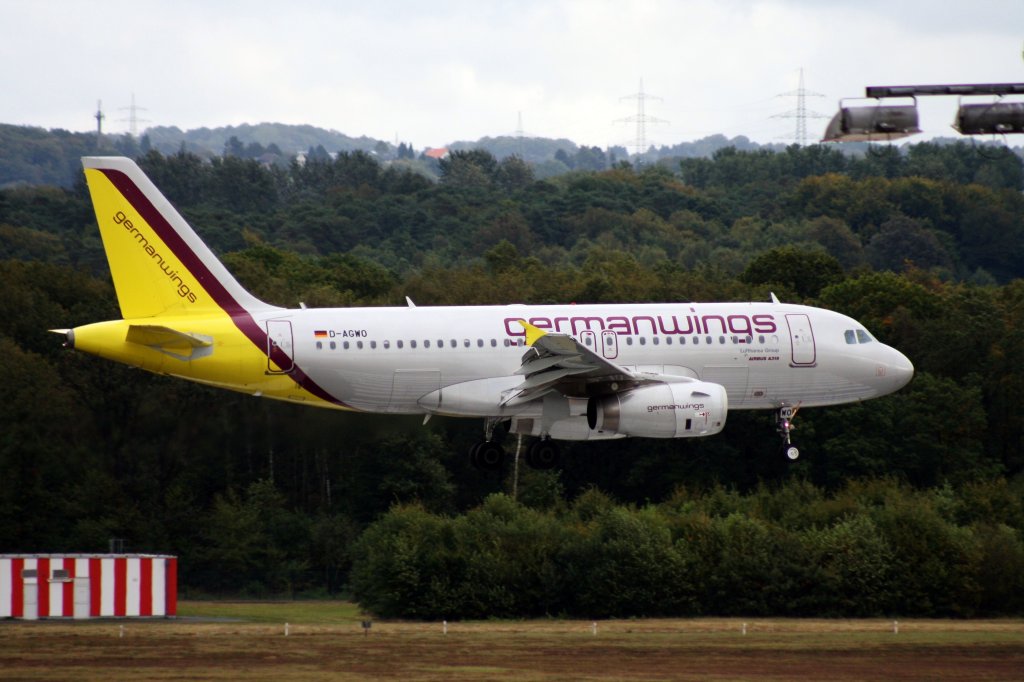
(128,586)
(117,586)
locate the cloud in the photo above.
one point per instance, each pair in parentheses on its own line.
(433,73)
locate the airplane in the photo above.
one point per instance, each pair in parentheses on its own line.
(553,372)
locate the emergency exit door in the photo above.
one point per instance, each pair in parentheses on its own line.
(280,347)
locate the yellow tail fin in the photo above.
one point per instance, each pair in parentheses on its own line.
(160,266)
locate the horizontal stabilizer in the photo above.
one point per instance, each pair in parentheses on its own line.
(180,345)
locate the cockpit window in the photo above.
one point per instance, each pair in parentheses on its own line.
(854,336)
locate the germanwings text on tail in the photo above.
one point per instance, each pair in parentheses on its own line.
(569,372)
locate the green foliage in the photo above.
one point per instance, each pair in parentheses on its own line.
(876,549)
(803,273)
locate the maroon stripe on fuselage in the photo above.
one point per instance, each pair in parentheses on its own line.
(213,286)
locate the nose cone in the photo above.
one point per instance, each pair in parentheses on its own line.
(897,370)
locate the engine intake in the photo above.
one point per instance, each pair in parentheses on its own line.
(676,410)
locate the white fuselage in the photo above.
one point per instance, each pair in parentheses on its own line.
(766,355)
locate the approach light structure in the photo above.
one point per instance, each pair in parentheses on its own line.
(884,121)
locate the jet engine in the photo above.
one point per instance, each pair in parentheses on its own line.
(664,410)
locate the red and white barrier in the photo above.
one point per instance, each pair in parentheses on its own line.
(88,586)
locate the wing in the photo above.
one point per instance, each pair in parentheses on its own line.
(558,362)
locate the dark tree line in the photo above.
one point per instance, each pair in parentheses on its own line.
(262,498)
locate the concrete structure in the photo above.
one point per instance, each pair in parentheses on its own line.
(88,586)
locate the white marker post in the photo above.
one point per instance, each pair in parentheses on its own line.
(744,629)
(445,630)
(286,629)
(895,627)
(593,627)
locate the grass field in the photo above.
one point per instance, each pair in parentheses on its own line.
(229,641)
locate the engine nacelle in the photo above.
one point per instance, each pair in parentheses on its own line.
(676,410)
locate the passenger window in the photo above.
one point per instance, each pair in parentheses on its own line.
(668,340)
(333,345)
(643,341)
(479,343)
(319,345)
(359,345)
(850,337)
(399,343)
(494,343)
(707,339)
(721,340)
(412,343)
(373,344)
(426,343)
(629,340)
(863,336)
(387,344)
(656,340)
(440,343)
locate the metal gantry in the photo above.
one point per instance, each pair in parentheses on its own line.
(884,121)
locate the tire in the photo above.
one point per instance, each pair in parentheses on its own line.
(490,456)
(543,454)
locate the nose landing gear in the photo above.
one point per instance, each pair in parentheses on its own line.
(784,425)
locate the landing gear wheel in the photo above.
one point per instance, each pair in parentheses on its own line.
(542,454)
(792,452)
(474,454)
(487,455)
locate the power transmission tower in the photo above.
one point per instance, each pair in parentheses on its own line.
(133,119)
(800,113)
(99,116)
(641,119)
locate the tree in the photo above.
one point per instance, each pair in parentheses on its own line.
(805,273)
(473,169)
(905,242)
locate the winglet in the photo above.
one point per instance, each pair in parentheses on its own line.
(532,333)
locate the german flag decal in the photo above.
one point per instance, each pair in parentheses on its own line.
(320,334)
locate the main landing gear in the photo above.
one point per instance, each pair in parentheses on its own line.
(784,425)
(489,455)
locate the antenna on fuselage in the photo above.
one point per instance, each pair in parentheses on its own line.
(775,299)
(409,301)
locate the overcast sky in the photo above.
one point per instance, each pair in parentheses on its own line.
(439,71)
